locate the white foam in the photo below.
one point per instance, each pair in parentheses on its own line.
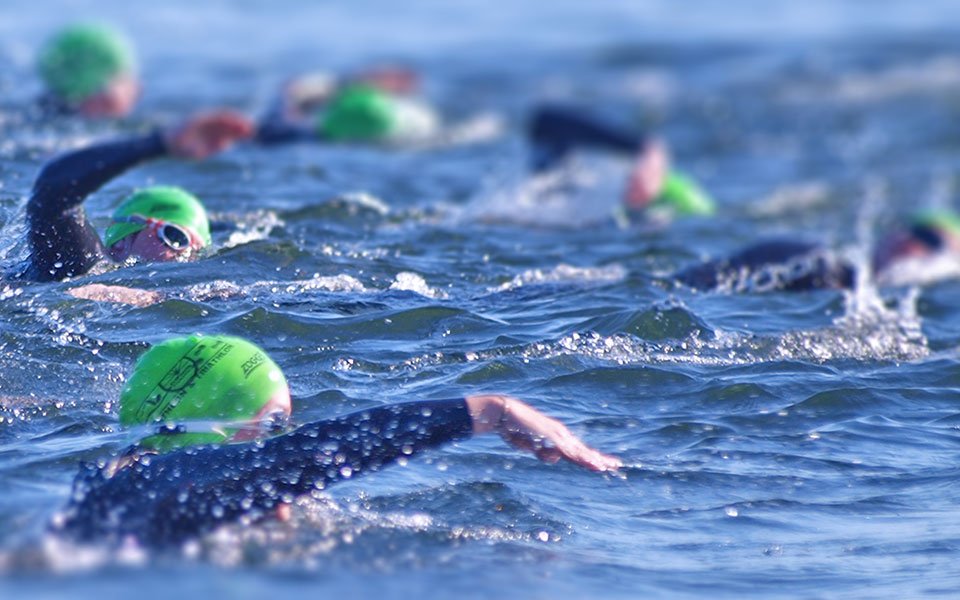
(253,227)
(584,192)
(564,273)
(412,282)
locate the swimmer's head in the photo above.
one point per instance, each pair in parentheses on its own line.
(204,390)
(358,113)
(930,232)
(653,185)
(91,69)
(158,224)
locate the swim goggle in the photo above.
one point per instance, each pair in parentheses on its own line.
(929,236)
(172,235)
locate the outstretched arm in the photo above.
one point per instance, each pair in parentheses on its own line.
(198,490)
(63,243)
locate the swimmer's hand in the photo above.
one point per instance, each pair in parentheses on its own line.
(526,428)
(207,134)
(116,293)
(647,175)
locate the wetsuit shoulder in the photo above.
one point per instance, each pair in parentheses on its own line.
(168,498)
(62,241)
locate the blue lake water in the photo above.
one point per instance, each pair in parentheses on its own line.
(778,444)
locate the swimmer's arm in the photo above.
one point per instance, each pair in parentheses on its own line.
(368,440)
(62,241)
(555,131)
(210,486)
(66,181)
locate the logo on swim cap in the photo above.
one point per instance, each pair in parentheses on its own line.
(166,204)
(217,378)
(82,59)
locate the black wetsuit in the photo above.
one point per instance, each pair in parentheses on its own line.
(787,265)
(166,499)
(275,128)
(62,242)
(555,131)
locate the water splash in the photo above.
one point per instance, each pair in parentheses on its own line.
(222,289)
(413,282)
(564,273)
(250,227)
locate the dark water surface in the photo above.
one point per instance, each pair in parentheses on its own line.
(779,445)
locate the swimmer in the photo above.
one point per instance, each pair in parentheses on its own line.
(903,257)
(217,449)
(154,224)
(89,70)
(377,106)
(653,189)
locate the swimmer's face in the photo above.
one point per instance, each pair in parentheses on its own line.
(274,413)
(156,244)
(116,100)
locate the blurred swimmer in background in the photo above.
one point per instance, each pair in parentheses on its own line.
(89,70)
(925,249)
(562,187)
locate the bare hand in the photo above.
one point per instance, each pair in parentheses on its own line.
(116,293)
(524,427)
(206,134)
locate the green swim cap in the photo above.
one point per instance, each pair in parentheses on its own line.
(167,204)
(198,378)
(80,60)
(947,220)
(358,113)
(683,196)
